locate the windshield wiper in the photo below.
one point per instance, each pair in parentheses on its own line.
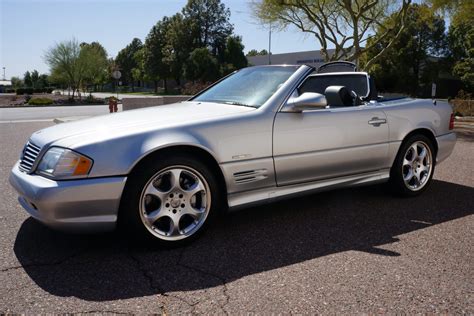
(238,103)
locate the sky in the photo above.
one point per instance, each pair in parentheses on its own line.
(29,27)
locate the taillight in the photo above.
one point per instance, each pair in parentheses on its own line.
(451,121)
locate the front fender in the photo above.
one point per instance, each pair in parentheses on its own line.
(118,156)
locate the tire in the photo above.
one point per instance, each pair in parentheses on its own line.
(158,208)
(413,167)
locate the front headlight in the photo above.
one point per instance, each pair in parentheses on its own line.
(63,163)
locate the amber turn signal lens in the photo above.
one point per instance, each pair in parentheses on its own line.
(83,166)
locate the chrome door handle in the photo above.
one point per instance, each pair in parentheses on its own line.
(375,121)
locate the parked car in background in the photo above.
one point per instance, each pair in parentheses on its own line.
(260,134)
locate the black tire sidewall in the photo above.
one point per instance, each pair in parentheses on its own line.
(396,177)
(129,220)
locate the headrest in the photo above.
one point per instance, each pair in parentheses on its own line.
(338,96)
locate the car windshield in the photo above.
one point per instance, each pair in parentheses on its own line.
(251,86)
(319,83)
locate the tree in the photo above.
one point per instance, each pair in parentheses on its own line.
(461,11)
(94,57)
(27,80)
(461,43)
(58,78)
(343,24)
(407,63)
(34,79)
(202,66)
(178,44)
(126,62)
(43,81)
(460,38)
(254,52)
(154,67)
(138,73)
(16,82)
(234,54)
(65,64)
(209,22)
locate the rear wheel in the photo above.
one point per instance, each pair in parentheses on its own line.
(414,166)
(170,200)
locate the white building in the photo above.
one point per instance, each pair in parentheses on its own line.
(312,58)
(4,84)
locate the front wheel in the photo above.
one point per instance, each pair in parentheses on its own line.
(414,166)
(170,200)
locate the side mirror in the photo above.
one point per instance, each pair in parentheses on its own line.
(307,101)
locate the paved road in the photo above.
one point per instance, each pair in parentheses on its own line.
(51,112)
(348,251)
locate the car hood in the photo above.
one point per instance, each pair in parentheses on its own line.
(158,117)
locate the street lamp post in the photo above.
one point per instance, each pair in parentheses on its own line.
(4,78)
(270,44)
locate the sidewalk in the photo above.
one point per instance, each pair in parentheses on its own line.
(103,95)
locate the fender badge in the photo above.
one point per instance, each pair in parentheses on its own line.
(241,156)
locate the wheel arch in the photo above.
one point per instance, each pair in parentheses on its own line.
(420,131)
(192,150)
(425,132)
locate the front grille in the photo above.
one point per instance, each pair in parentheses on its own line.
(28,157)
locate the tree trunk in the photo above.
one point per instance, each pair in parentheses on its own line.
(165,84)
(156,86)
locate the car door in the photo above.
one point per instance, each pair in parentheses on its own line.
(328,143)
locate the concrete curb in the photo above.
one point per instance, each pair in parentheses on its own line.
(69,119)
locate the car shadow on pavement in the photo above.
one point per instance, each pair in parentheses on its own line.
(104,267)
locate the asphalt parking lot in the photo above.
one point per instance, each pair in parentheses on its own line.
(346,251)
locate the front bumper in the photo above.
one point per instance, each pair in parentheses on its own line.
(445,146)
(86,205)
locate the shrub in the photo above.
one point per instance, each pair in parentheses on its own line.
(91,100)
(21,91)
(463,107)
(40,101)
(124,89)
(193,88)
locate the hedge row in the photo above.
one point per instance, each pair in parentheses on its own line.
(21,91)
(40,101)
(462,107)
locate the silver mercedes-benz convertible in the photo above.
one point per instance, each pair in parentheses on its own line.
(259,134)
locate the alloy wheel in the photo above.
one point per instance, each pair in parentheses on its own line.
(417,166)
(175,203)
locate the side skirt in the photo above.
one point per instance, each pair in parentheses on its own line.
(251,198)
